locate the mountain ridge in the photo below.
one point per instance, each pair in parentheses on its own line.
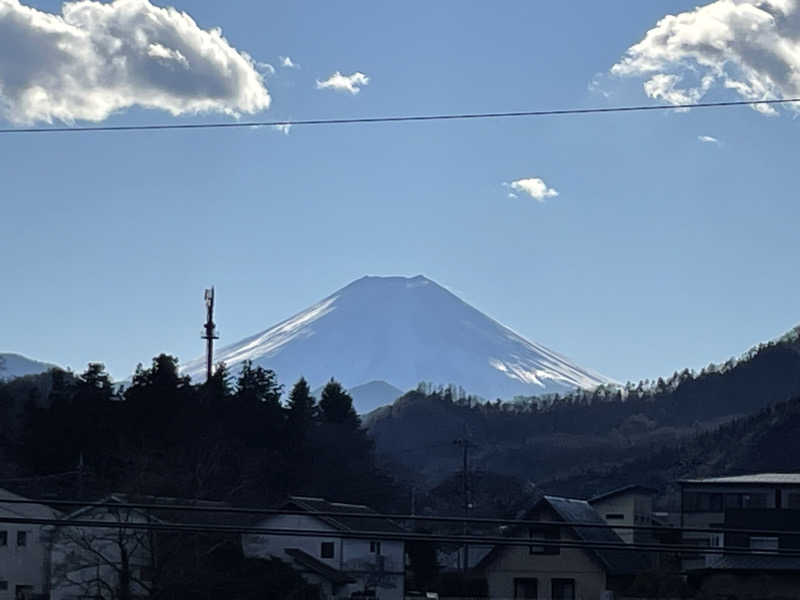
(14,365)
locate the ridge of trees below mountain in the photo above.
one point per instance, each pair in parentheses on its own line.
(538,439)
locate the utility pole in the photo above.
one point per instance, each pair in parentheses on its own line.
(210,333)
(465,446)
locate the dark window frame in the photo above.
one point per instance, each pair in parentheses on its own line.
(566,582)
(4,538)
(327,550)
(22,539)
(523,581)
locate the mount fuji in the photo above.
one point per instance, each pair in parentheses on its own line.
(403,331)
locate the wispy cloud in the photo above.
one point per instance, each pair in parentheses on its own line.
(284,128)
(707,139)
(287,62)
(534,187)
(96,58)
(344,83)
(751,47)
(266,68)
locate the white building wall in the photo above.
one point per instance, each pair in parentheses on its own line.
(351,556)
(23,565)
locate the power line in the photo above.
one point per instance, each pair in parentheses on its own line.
(402,118)
(165,507)
(399,536)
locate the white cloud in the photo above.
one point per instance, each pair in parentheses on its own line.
(749,46)
(284,128)
(345,83)
(534,187)
(287,62)
(266,67)
(707,139)
(96,58)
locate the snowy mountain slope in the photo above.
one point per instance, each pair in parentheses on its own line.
(403,331)
(16,365)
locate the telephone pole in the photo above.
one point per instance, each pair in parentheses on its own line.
(210,333)
(465,446)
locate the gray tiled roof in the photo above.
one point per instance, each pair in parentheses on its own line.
(616,561)
(754,562)
(758,478)
(359,516)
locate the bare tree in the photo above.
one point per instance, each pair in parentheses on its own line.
(104,562)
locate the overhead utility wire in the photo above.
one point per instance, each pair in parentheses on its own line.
(381,516)
(401,118)
(397,536)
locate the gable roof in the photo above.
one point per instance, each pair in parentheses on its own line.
(616,562)
(628,489)
(573,511)
(18,509)
(354,517)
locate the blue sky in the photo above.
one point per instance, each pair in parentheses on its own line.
(659,252)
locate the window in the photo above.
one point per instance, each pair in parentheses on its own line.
(326,550)
(563,589)
(22,539)
(733,501)
(375,547)
(550,533)
(3,585)
(526,588)
(793,501)
(754,500)
(3,538)
(615,516)
(763,544)
(23,592)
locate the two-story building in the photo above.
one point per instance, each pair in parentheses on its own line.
(704,503)
(347,551)
(551,569)
(626,508)
(24,549)
(748,520)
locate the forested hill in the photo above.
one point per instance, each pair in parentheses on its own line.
(545,437)
(764,442)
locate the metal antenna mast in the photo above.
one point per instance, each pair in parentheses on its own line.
(210,333)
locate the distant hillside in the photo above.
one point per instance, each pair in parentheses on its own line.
(539,439)
(16,365)
(764,442)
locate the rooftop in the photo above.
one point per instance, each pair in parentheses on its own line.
(628,489)
(755,478)
(355,517)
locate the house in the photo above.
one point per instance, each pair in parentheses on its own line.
(705,503)
(348,552)
(548,569)
(630,506)
(106,562)
(751,519)
(23,549)
(98,561)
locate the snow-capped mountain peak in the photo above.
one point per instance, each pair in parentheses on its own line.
(404,330)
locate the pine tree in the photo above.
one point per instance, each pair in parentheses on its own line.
(337,405)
